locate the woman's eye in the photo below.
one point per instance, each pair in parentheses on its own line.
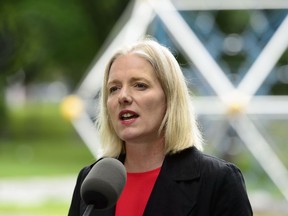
(113,89)
(141,85)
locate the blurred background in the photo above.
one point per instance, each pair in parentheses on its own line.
(54,49)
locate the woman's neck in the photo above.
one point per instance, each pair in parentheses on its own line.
(144,157)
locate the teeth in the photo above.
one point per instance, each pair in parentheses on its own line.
(127,115)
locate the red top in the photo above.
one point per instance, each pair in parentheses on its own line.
(135,195)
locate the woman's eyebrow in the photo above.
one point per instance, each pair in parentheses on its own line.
(134,79)
(113,81)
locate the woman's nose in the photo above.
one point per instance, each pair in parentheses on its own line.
(124,97)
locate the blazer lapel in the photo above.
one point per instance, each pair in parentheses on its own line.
(176,188)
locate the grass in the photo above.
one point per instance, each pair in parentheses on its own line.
(44,209)
(40,142)
(42,158)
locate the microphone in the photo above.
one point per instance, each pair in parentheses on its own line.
(103,185)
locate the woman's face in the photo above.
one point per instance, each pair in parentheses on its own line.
(136,102)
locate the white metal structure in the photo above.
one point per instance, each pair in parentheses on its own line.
(240,100)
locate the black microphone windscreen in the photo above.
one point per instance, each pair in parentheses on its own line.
(104,183)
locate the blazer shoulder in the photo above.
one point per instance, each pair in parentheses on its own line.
(191,163)
(213,165)
(225,180)
(215,161)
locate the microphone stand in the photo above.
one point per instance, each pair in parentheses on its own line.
(88,210)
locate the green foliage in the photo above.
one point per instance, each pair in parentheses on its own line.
(51,39)
(47,36)
(38,120)
(233,21)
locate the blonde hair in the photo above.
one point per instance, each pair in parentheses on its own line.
(179,123)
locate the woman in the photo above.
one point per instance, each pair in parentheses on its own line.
(147,123)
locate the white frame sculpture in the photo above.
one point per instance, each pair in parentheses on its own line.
(240,100)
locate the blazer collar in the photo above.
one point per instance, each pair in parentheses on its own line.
(176,189)
(178,166)
(182,166)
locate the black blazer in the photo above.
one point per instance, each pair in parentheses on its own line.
(189,183)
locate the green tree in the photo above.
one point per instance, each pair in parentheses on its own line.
(51,40)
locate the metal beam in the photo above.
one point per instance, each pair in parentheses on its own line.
(229,5)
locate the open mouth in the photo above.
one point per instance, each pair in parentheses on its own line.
(128,116)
